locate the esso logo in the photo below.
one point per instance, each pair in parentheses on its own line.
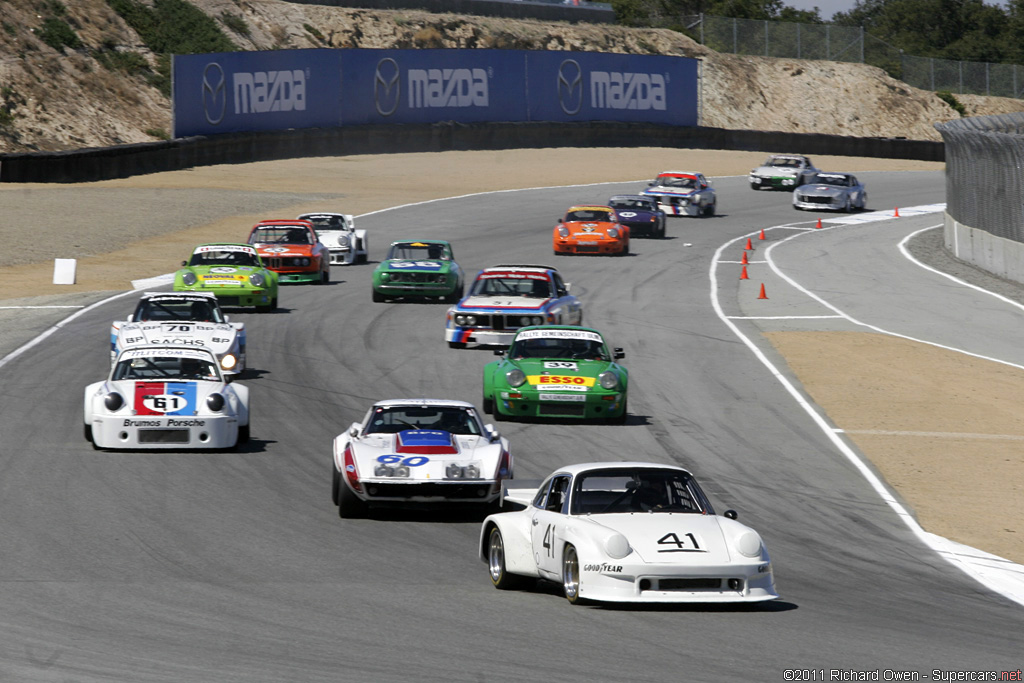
(627,214)
(557,379)
(164,403)
(222,269)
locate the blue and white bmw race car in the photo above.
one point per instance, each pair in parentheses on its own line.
(683,193)
(507,297)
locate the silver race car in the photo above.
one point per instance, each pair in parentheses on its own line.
(833,191)
(782,172)
(337,231)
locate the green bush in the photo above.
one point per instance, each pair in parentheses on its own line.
(235,23)
(57,34)
(173,26)
(950,99)
(132,63)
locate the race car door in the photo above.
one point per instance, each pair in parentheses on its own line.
(548,521)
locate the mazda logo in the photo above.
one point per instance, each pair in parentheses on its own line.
(215,99)
(387,88)
(570,86)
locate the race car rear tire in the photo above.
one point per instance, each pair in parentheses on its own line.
(350,506)
(500,576)
(661,232)
(571,574)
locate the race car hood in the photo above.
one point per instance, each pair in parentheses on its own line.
(589,229)
(775,171)
(279,250)
(333,238)
(216,336)
(171,398)
(671,537)
(636,216)
(505,304)
(663,190)
(426,452)
(425,266)
(223,276)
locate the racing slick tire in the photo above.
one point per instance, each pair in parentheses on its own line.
(325,278)
(243,435)
(335,483)
(709,210)
(379,298)
(571,574)
(846,206)
(500,416)
(350,506)
(456,345)
(755,186)
(454,297)
(500,576)
(87,433)
(488,405)
(620,419)
(625,250)
(660,233)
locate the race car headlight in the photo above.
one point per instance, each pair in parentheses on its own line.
(465,320)
(188,278)
(527,320)
(113,401)
(515,377)
(402,471)
(613,232)
(608,379)
(215,402)
(563,231)
(342,240)
(654,219)
(749,544)
(536,320)
(385,277)
(617,546)
(303,261)
(228,361)
(257,279)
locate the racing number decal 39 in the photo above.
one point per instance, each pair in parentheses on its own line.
(686,544)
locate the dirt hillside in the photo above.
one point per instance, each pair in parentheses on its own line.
(99,93)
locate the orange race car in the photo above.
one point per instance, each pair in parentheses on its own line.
(591,230)
(292,249)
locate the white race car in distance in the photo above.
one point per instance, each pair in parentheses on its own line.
(337,231)
(626,532)
(188,319)
(166,397)
(418,451)
(834,191)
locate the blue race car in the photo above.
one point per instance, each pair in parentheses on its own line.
(640,214)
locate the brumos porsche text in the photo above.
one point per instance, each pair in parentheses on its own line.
(170,422)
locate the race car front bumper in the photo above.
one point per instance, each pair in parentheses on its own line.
(595,404)
(236,296)
(603,247)
(164,432)
(774,182)
(342,257)
(299,277)
(620,581)
(819,203)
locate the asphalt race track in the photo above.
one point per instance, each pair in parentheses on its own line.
(225,567)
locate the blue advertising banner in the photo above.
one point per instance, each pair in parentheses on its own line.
(231,92)
(599,86)
(425,86)
(253,91)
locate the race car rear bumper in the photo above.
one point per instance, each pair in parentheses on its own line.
(137,432)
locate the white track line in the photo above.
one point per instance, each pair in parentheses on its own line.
(996,573)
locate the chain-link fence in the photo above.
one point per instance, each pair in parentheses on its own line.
(852,44)
(984,183)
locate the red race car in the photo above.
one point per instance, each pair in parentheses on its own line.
(292,249)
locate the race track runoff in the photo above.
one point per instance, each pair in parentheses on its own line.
(235,566)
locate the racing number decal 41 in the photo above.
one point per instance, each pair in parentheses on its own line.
(673,543)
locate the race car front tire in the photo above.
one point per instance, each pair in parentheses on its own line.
(620,419)
(488,405)
(500,576)
(709,210)
(243,434)
(87,433)
(350,506)
(571,574)
(379,298)
(456,345)
(335,483)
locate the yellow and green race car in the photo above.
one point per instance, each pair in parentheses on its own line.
(233,272)
(557,371)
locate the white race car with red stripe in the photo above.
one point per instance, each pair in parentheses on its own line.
(418,451)
(166,397)
(504,298)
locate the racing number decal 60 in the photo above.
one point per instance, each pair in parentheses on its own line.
(411,461)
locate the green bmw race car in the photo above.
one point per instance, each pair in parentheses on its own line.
(557,371)
(233,272)
(418,268)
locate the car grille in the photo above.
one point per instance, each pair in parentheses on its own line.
(587,248)
(228,300)
(290,262)
(562,409)
(689,584)
(503,322)
(163,436)
(460,490)
(807,199)
(402,276)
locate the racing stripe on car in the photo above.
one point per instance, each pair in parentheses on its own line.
(144,390)
(426,442)
(464,335)
(186,390)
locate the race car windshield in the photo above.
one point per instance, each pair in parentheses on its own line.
(669,181)
(166,368)
(641,204)
(527,287)
(394,419)
(781,161)
(280,235)
(413,251)
(224,258)
(573,349)
(837,180)
(195,311)
(588,215)
(636,490)
(327,222)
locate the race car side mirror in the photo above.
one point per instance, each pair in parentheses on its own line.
(650,184)
(619,353)
(228,379)
(495,435)
(731,514)
(227,319)
(560,220)
(353,431)
(499,352)
(567,286)
(184,263)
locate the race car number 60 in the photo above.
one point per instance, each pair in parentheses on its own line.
(411,461)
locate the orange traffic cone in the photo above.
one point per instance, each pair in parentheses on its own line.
(749,245)
(761,236)
(896,212)
(818,226)
(762,295)
(743,275)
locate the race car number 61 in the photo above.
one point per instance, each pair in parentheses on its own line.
(411,461)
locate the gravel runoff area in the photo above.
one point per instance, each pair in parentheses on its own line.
(134,228)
